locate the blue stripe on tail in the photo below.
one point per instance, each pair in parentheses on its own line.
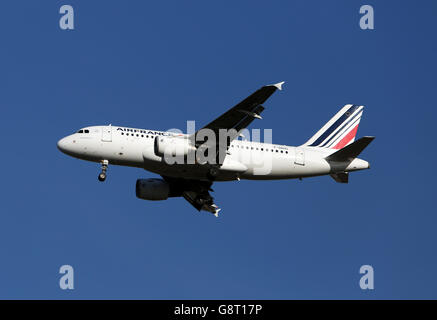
(347,123)
(335,125)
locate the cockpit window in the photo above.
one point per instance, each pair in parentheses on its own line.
(87,131)
(80,131)
(83,131)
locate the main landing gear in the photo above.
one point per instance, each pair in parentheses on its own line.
(102,175)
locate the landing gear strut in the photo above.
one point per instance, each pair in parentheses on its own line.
(102,175)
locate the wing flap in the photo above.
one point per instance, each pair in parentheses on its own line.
(196,192)
(201,201)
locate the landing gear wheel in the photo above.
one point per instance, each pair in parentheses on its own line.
(102,175)
(213,173)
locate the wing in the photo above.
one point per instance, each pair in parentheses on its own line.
(196,192)
(238,118)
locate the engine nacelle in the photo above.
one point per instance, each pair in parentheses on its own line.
(173,146)
(152,189)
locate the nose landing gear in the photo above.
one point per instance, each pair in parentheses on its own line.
(102,175)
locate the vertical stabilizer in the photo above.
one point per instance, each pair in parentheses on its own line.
(340,130)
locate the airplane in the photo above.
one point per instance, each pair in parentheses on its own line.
(330,151)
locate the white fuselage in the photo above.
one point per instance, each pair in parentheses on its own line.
(244,160)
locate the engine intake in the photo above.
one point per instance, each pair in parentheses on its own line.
(152,189)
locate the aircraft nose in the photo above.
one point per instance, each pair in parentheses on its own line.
(62,144)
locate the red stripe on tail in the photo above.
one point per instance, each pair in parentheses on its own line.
(347,138)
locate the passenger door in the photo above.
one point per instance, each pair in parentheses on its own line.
(299,156)
(107,133)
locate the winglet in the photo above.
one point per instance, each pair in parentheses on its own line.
(278,85)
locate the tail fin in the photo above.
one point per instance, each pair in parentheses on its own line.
(340,130)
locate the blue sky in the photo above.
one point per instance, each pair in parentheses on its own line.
(158,64)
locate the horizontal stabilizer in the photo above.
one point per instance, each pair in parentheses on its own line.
(351,151)
(340,177)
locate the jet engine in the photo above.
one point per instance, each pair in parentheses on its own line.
(173,146)
(153,189)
